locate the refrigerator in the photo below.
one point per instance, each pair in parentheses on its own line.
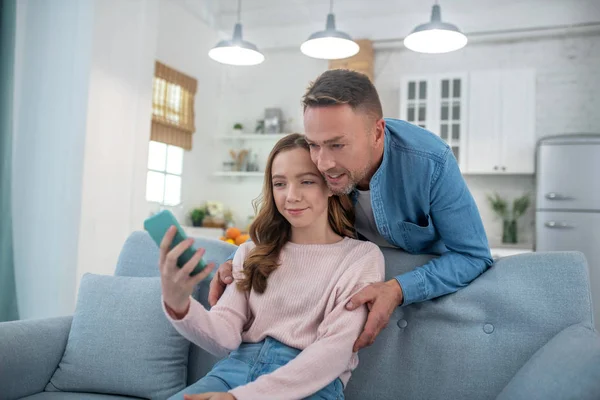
(567,214)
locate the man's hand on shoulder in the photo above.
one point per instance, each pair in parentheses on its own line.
(381,298)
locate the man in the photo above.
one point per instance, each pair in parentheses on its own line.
(407,189)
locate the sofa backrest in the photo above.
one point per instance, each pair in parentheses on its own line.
(466,345)
(469,344)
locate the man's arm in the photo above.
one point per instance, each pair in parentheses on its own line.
(455,216)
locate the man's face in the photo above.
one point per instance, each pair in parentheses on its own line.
(341,145)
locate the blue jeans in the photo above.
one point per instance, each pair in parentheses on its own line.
(250,361)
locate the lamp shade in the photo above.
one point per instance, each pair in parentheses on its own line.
(435,36)
(330,44)
(236,51)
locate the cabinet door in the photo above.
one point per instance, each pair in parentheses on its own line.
(450,115)
(415,101)
(483,143)
(518,121)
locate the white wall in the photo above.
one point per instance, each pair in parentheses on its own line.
(52,67)
(568,92)
(119,111)
(82,121)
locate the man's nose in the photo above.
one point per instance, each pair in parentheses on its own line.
(324,162)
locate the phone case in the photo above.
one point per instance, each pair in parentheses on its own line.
(157,226)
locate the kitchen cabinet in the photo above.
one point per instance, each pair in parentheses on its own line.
(501,122)
(486,117)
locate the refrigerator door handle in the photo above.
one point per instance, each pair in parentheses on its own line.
(558,225)
(556,196)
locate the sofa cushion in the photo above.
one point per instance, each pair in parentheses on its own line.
(567,367)
(121,343)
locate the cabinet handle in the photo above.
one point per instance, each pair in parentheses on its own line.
(495,168)
(556,196)
(503,168)
(558,225)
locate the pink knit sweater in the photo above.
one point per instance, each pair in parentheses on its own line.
(303,307)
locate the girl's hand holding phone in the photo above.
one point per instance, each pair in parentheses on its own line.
(177,284)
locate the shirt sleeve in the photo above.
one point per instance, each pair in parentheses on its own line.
(218,331)
(456,217)
(331,354)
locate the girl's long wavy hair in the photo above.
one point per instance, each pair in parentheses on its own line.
(270,231)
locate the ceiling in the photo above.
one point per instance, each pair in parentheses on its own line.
(281,23)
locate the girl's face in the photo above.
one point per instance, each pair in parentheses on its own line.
(299,191)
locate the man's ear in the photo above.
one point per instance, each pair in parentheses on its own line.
(379,130)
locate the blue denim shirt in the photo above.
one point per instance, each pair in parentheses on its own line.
(421,204)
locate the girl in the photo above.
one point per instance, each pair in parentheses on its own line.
(283,325)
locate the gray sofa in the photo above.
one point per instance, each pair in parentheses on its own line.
(523,330)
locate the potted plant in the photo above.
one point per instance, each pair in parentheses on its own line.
(238,128)
(509,217)
(197,215)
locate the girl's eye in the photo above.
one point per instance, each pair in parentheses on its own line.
(278,184)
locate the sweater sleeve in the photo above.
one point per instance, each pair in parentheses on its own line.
(218,331)
(331,354)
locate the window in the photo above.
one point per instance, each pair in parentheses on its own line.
(163,183)
(173,107)
(172,129)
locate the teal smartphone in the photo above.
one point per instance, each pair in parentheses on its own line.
(158,225)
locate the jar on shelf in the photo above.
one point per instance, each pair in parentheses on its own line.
(228,166)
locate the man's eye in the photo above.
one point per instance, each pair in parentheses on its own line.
(307,182)
(337,146)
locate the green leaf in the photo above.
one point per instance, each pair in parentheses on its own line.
(499,205)
(520,205)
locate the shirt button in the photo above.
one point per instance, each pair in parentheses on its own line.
(402,324)
(488,328)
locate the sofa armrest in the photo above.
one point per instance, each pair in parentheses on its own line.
(567,367)
(30,351)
